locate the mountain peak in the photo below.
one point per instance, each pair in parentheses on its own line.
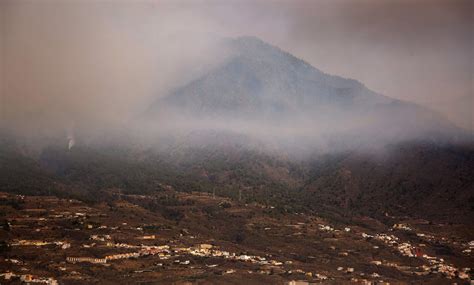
(256,48)
(250,41)
(259,79)
(247,39)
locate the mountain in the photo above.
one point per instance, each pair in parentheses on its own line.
(261,79)
(288,103)
(259,82)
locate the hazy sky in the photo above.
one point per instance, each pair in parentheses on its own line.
(65,62)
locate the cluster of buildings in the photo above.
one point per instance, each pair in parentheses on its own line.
(401,227)
(202,250)
(162,251)
(469,247)
(207,250)
(435,264)
(86,259)
(100,237)
(438,265)
(61,244)
(28,278)
(325,228)
(405,248)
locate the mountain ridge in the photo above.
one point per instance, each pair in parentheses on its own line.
(259,77)
(262,85)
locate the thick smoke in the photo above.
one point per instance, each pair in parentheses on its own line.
(95,63)
(98,64)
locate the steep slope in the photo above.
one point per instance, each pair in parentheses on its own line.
(422,180)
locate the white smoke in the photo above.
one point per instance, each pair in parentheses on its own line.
(70,138)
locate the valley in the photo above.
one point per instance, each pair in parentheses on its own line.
(195,238)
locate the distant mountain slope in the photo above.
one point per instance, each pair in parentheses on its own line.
(427,180)
(260,78)
(424,180)
(261,82)
(20,173)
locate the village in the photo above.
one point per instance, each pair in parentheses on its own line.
(49,240)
